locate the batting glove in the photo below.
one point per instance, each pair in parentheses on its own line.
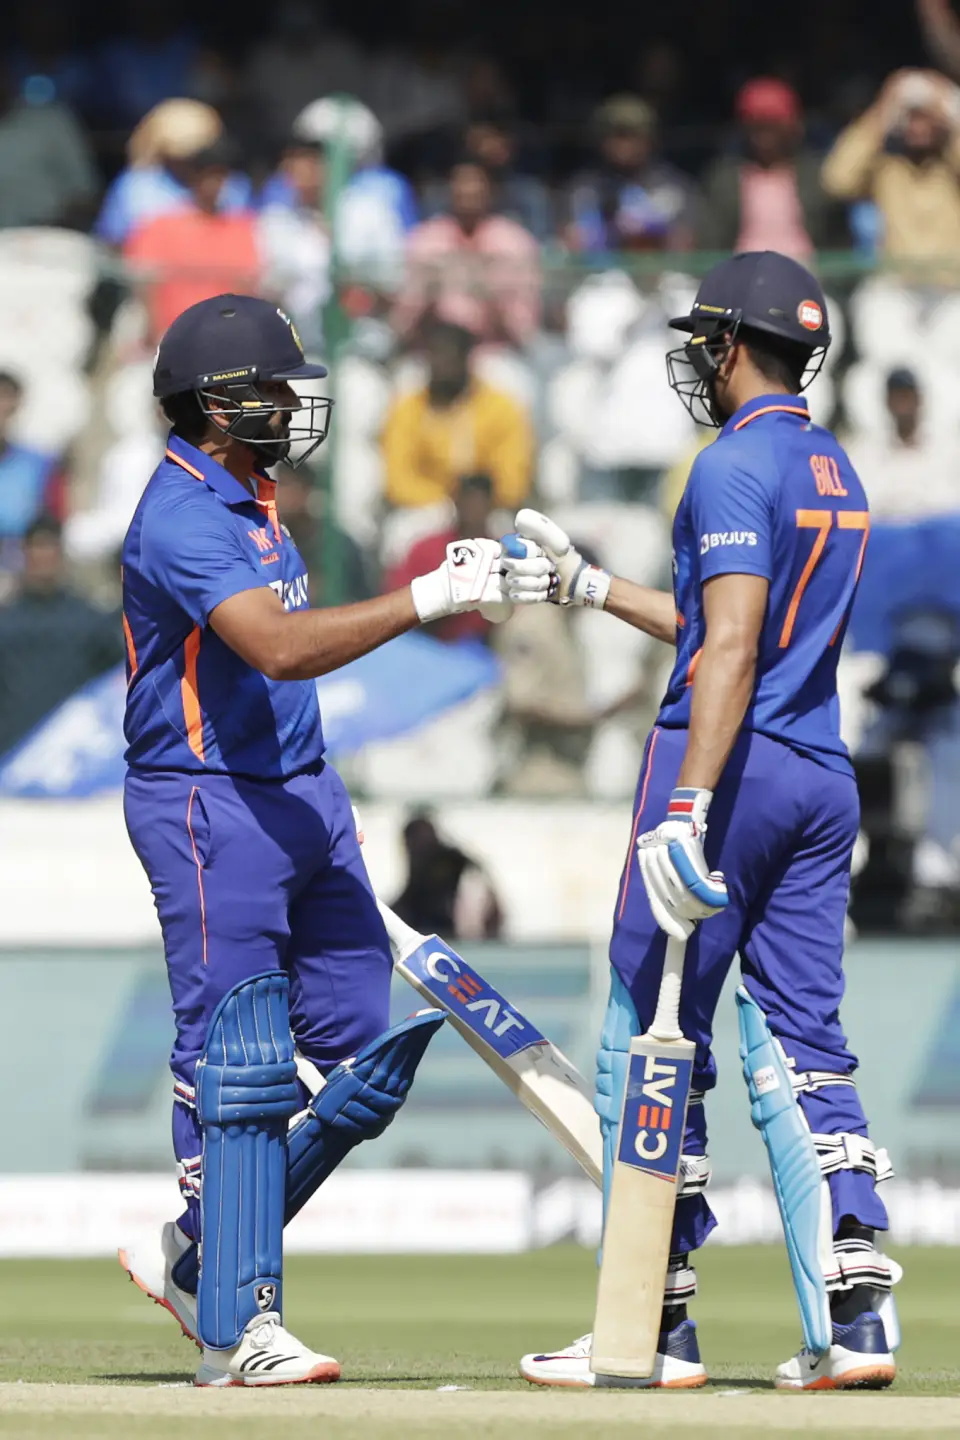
(576,583)
(680,888)
(470,578)
(529,576)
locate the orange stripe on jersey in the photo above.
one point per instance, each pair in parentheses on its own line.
(772,409)
(185,465)
(267,500)
(193,718)
(692,667)
(131,648)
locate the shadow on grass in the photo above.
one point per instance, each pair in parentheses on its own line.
(724,1382)
(146,1377)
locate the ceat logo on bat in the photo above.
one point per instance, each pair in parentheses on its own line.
(651,1136)
(810,315)
(459,988)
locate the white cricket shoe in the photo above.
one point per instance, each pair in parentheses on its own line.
(677,1365)
(150,1266)
(858,1359)
(267,1355)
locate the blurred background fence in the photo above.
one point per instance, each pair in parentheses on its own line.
(484,240)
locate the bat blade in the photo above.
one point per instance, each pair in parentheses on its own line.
(539,1074)
(639,1222)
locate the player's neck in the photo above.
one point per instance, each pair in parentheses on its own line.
(759,389)
(234,457)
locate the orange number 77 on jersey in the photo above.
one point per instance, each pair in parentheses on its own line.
(822,521)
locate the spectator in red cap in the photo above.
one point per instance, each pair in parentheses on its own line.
(768,196)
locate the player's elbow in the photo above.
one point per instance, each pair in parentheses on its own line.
(735,645)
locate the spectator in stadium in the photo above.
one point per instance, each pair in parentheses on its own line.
(474,503)
(51,640)
(156,179)
(491,140)
(47,174)
(26,477)
(455,425)
(294,239)
(904,154)
(769,196)
(446,892)
(374,211)
(632,200)
(197,250)
(907,472)
(471,267)
(153,57)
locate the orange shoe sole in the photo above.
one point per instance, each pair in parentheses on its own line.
(157,1300)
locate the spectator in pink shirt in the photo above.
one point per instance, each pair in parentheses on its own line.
(471,268)
(769,195)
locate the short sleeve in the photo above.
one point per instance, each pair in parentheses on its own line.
(196,556)
(732,513)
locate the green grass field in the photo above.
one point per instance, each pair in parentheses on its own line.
(409,1324)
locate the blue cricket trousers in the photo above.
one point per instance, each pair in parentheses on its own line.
(250,876)
(781,828)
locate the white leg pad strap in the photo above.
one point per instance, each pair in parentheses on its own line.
(694,1177)
(681,1282)
(852,1152)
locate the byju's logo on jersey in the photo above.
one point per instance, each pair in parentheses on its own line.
(651,1136)
(717,538)
(449,977)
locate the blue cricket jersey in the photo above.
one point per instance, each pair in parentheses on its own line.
(198,537)
(774,495)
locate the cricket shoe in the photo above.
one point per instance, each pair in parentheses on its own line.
(267,1355)
(858,1359)
(150,1266)
(677,1365)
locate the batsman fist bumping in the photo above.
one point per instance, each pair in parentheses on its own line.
(271,932)
(746,817)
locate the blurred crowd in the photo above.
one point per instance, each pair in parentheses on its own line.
(488,250)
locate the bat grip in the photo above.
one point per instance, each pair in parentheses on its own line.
(403,938)
(666,1021)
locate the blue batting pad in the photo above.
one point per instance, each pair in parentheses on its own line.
(357,1103)
(620,1025)
(246,1092)
(797,1181)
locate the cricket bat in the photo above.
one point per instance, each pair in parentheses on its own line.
(636,1236)
(540,1075)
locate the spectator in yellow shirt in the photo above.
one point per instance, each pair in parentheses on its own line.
(456,425)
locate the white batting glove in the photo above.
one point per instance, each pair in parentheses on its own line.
(680,888)
(529,576)
(577,583)
(470,578)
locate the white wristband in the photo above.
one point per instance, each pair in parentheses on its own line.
(431,595)
(591,587)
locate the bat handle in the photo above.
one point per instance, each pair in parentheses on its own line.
(403,938)
(666,1021)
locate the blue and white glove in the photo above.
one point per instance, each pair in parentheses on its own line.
(680,888)
(565,578)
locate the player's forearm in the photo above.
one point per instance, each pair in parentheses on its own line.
(722,691)
(310,643)
(652,611)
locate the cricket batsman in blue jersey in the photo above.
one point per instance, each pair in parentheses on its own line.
(746,816)
(271,931)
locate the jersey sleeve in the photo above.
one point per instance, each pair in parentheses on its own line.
(196,556)
(732,511)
